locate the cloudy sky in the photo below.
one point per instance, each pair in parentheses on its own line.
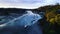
(28,4)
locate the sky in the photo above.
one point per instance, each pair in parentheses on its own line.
(26,4)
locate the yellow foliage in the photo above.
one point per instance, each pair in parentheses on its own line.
(57,18)
(52,17)
(52,20)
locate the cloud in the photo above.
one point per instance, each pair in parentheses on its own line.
(27,4)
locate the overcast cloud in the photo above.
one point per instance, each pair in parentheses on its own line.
(28,4)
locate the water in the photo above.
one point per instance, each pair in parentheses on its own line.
(25,20)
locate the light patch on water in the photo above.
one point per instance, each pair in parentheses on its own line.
(29,12)
(3,25)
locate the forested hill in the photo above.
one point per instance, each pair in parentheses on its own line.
(51,12)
